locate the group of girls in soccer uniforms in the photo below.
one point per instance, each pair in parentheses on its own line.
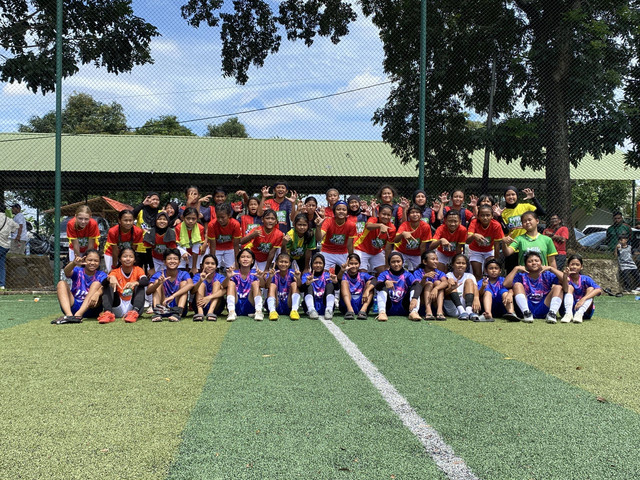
(408,258)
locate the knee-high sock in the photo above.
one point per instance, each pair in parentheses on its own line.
(568,302)
(308,300)
(331,302)
(521,301)
(468,300)
(585,306)
(382,301)
(455,298)
(258,302)
(295,301)
(271,304)
(554,304)
(231,303)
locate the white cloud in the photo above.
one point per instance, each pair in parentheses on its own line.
(16,89)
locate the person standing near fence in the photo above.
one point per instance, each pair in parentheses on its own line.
(19,237)
(559,234)
(7,226)
(615,231)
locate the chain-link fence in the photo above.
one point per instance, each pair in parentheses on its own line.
(333,116)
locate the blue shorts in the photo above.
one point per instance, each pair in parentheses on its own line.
(539,310)
(282,307)
(90,313)
(244,307)
(356,304)
(396,308)
(497,307)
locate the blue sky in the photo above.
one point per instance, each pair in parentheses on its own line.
(186,81)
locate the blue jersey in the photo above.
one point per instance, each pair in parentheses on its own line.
(80,282)
(283,285)
(208,285)
(536,290)
(170,287)
(496,288)
(419,274)
(357,283)
(243,285)
(318,287)
(580,288)
(401,284)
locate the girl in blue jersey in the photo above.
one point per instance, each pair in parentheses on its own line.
(393,288)
(536,288)
(208,292)
(283,298)
(318,289)
(496,299)
(430,284)
(170,289)
(243,287)
(580,290)
(356,290)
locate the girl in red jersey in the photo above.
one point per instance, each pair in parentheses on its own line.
(224,236)
(190,237)
(251,219)
(336,237)
(159,239)
(484,237)
(123,235)
(412,237)
(370,246)
(264,240)
(449,239)
(356,215)
(83,233)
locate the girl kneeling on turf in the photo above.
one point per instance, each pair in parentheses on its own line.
(393,287)
(83,299)
(356,290)
(284,298)
(170,289)
(462,284)
(243,287)
(318,289)
(431,285)
(124,289)
(207,302)
(497,300)
(580,291)
(536,288)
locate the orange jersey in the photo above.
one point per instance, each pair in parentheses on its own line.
(459,236)
(491,234)
(136,274)
(131,239)
(224,236)
(421,234)
(264,242)
(336,236)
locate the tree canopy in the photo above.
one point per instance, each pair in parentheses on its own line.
(164,125)
(105,33)
(229,128)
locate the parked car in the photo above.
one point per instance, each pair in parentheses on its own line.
(596,240)
(594,228)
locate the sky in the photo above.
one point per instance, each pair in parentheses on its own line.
(186,81)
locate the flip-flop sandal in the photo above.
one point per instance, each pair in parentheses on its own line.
(156,318)
(212,317)
(429,318)
(362,315)
(173,318)
(440,317)
(349,316)
(198,317)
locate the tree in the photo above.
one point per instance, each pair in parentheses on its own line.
(105,33)
(611,195)
(561,65)
(81,115)
(164,125)
(228,128)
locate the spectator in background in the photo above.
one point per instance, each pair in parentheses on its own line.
(7,226)
(628,268)
(19,238)
(559,234)
(615,231)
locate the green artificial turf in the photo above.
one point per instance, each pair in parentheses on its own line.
(285,401)
(506,419)
(599,355)
(18,309)
(625,308)
(96,401)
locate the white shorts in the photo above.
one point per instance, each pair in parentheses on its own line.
(226,258)
(480,257)
(108,263)
(369,262)
(442,258)
(158,264)
(187,263)
(124,307)
(333,259)
(411,262)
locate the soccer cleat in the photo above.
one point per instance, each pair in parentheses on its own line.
(328,314)
(552,317)
(382,317)
(414,316)
(274,315)
(566,318)
(106,317)
(294,315)
(527,317)
(131,316)
(577,318)
(259,316)
(313,314)
(463,316)
(232,316)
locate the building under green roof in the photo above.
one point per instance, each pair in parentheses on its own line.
(171,163)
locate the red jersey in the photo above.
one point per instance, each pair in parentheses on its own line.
(190,240)
(561,247)
(468,215)
(224,236)
(136,274)
(87,237)
(328,212)
(160,247)
(422,233)
(248,223)
(459,237)
(264,242)
(491,234)
(336,236)
(131,239)
(373,241)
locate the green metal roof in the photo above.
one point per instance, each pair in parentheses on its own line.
(21,152)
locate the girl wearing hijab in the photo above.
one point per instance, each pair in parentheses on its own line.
(159,239)
(173,212)
(512,217)
(355,214)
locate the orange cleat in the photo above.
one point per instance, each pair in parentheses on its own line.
(106,317)
(131,316)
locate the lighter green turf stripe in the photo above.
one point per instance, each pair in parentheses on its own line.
(600,355)
(506,419)
(19,309)
(623,308)
(285,401)
(96,401)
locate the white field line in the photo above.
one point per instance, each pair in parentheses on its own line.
(441,453)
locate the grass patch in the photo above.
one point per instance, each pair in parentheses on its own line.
(506,419)
(19,309)
(99,401)
(285,401)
